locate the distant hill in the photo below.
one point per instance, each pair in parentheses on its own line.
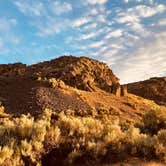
(153,89)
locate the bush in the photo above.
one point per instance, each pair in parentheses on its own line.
(75,139)
(160,145)
(155,120)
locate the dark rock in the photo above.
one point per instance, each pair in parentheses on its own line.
(123,90)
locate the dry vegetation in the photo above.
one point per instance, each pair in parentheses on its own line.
(70,139)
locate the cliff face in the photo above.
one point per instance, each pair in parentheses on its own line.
(153,88)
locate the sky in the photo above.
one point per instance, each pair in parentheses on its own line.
(128,35)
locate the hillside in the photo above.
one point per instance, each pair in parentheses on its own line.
(66,83)
(153,89)
(73,111)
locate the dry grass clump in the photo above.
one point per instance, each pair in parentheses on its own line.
(70,139)
(22,139)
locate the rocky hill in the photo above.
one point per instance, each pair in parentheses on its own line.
(73,111)
(65,83)
(153,89)
(82,73)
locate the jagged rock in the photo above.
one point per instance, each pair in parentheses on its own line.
(116,90)
(123,90)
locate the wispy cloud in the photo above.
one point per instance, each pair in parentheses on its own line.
(114,34)
(7,35)
(32,8)
(3,48)
(59,8)
(90,26)
(51,27)
(146,61)
(162,22)
(81,21)
(45,18)
(92,2)
(96,44)
(146,11)
(7,23)
(87,36)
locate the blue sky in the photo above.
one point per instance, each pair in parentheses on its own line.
(129,35)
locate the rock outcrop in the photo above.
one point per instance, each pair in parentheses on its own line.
(79,72)
(82,73)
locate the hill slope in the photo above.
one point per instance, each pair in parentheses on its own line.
(90,120)
(81,84)
(153,89)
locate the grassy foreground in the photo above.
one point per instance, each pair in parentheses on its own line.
(74,140)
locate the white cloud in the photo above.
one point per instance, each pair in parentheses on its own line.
(162,22)
(146,61)
(126,1)
(125,17)
(51,27)
(45,16)
(38,8)
(93,2)
(114,34)
(81,21)
(59,8)
(146,11)
(90,26)
(96,44)
(31,8)
(87,36)
(132,17)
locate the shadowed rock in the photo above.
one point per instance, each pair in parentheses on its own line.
(123,90)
